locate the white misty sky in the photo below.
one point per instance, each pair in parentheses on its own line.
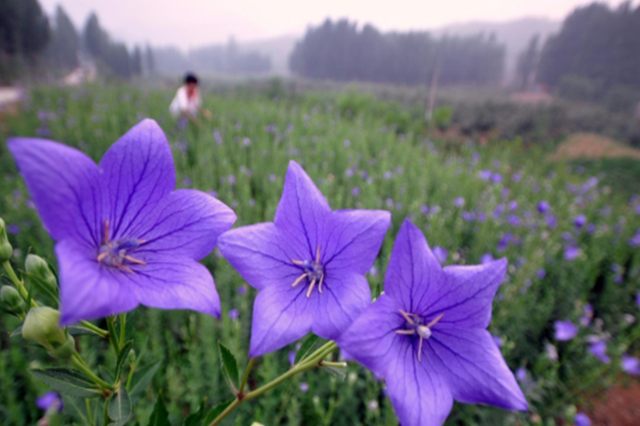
(192,23)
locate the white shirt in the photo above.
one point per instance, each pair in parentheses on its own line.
(181,102)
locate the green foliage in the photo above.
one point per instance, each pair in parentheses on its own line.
(229,366)
(119,408)
(442,117)
(306,347)
(159,416)
(68,382)
(312,129)
(578,88)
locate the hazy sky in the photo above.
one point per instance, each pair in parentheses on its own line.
(191,23)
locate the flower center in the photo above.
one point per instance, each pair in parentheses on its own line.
(116,253)
(415,324)
(313,272)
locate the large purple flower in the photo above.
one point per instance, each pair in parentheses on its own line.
(308,265)
(124,236)
(426,335)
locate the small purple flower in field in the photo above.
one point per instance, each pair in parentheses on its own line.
(541,273)
(587,312)
(428,326)
(217,137)
(242,290)
(388,174)
(186,181)
(304,387)
(551,351)
(497,340)
(522,375)
(347,143)
(496,178)
(123,236)
(631,365)
(424,209)
(308,265)
(50,402)
(468,216)
(513,205)
(565,330)
(441,254)
(514,220)
(504,241)
(582,419)
(635,240)
(571,253)
(292,358)
(498,211)
(246,141)
(543,207)
(638,299)
(599,350)
(486,258)
(579,221)
(13,229)
(458,202)
(552,221)
(355,191)
(234,314)
(591,228)
(373,271)
(517,177)
(484,174)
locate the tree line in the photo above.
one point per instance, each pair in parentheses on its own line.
(343,51)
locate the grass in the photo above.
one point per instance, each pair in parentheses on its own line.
(343,143)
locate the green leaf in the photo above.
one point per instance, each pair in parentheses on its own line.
(122,357)
(67,381)
(142,378)
(216,411)
(106,374)
(78,330)
(306,347)
(159,416)
(194,419)
(33,280)
(229,365)
(16,332)
(119,408)
(339,373)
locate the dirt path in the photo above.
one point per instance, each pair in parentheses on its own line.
(620,406)
(591,146)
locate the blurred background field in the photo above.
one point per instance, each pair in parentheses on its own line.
(465,129)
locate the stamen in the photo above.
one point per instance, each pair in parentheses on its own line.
(407,332)
(420,349)
(106,231)
(320,285)
(407,317)
(313,282)
(134,260)
(318,255)
(299,279)
(101,256)
(124,268)
(435,321)
(297,262)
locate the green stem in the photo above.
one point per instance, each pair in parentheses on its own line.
(87,402)
(246,376)
(130,378)
(123,323)
(113,337)
(97,330)
(18,283)
(82,366)
(333,364)
(106,413)
(311,362)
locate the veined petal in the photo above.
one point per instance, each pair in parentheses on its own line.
(65,186)
(419,394)
(281,315)
(473,367)
(261,255)
(353,239)
(174,282)
(87,289)
(371,339)
(303,212)
(465,294)
(413,274)
(186,223)
(343,298)
(138,172)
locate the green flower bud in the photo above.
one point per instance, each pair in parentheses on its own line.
(38,268)
(64,351)
(131,358)
(6,251)
(12,299)
(41,325)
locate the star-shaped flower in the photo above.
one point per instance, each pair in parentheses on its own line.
(124,236)
(426,335)
(308,265)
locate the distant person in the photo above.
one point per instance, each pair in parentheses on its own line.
(187,103)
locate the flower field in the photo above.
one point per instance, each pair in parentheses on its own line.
(565,317)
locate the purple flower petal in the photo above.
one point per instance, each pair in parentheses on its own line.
(565,330)
(582,419)
(420,396)
(49,401)
(65,185)
(473,366)
(599,350)
(631,365)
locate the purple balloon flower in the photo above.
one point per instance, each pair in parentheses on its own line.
(631,365)
(543,207)
(486,258)
(599,350)
(582,419)
(580,221)
(426,335)
(123,236)
(309,265)
(50,401)
(441,254)
(565,330)
(571,253)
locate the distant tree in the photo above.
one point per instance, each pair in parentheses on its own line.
(96,40)
(149,61)
(136,61)
(65,42)
(527,63)
(341,51)
(34,31)
(597,43)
